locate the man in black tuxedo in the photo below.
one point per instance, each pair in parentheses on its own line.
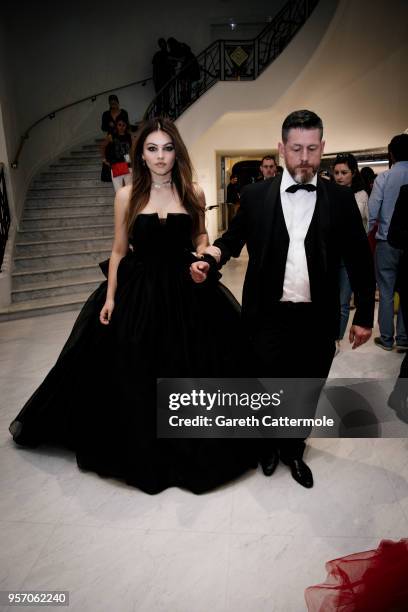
(297,228)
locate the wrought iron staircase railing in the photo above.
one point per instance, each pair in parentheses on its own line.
(230,60)
(4,214)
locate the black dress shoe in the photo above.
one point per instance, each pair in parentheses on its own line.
(269,463)
(300,472)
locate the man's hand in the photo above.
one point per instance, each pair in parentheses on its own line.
(359,335)
(199,271)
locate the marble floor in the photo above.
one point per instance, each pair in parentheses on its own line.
(253,545)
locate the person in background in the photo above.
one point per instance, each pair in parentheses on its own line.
(162,67)
(398,239)
(163,71)
(110,116)
(233,197)
(346,173)
(185,65)
(176,53)
(268,167)
(116,154)
(279,170)
(381,205)
(368,177)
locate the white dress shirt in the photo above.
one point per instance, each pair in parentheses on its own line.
(298,210)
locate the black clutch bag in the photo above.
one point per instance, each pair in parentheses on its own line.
(106,174)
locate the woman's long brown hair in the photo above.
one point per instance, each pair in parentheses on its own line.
(182,174)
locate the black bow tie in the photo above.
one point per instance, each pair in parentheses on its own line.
(297,186)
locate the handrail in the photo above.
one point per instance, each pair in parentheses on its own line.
(4,214)
(231,60)
(51,115)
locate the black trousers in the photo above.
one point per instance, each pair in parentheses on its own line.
(291,340)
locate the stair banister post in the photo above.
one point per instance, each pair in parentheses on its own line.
(221,53)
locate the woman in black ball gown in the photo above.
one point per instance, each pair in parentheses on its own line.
(148,320)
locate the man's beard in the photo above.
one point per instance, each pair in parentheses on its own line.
(302,175)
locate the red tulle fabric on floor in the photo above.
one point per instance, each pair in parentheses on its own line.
(369,581)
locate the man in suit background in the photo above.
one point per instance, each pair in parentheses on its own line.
(297,228)
(268,168)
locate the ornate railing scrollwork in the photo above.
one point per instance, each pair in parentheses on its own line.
(230,60)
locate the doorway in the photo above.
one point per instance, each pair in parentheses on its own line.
(245,165)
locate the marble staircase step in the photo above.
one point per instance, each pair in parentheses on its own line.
(68,210)
(83,155)
(57,221)
(67,245)
(64,201)
(56,275)
(69,183)
(54,288)
(79,165)
(53,191)
(71,175)
(54,234)
(90,147)
(61,259)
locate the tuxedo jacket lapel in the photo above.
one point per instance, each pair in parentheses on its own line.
(268,216)
(317,234)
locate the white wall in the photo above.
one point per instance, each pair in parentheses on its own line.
(348,64)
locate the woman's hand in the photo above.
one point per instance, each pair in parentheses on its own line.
(106,312)
(199,271)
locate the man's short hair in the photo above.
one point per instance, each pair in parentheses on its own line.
(272,157)
(113,97)
(303,119)
(399,147)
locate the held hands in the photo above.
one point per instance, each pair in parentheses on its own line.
(359,335)
(106,312)
(199,271)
